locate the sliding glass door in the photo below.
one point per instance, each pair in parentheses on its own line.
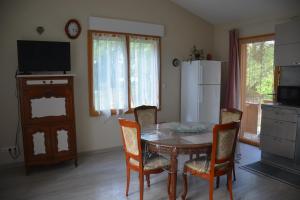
(257,82)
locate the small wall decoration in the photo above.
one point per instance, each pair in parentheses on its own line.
(40,30)
(73,28)
(176,62)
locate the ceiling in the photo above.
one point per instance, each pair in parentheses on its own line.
(233,11)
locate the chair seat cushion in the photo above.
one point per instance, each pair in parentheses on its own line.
(152,163)
(202,165)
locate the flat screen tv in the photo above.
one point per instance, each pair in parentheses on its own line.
(43,56)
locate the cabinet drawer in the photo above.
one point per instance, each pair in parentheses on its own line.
(30,83)
(278,146)
(279,114)
(280,129)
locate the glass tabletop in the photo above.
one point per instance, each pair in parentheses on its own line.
(177,133)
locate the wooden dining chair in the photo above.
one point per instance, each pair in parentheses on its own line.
(229,115)
(219,163)
(145,115)
(131,137)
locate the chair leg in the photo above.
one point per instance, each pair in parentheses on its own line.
(211,188)
(185,185)
(148,180)
(218,182)
(128,180)
(191,156)
(229,183)
(233,170)
(141,177)
(169,183)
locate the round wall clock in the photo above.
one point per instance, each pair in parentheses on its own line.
(73,28)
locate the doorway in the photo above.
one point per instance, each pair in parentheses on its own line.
(258,83)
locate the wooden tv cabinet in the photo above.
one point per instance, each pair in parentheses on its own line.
(47,119)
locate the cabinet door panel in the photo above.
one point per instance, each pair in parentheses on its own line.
(64,145)
(287,55)
(278,146)
(280,129)
(37,143)
(288,32)
(47,104)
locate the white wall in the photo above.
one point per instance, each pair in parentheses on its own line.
(251,28)
(19,20)
(221,39)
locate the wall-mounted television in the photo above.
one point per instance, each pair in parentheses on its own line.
(43,56)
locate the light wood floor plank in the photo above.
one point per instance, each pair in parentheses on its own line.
(102,177)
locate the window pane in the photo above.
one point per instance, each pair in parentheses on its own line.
(144,71)
(260,76)
(110,72)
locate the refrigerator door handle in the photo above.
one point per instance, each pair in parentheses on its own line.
(200,95)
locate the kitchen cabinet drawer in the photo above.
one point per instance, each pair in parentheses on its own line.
(279,114)
(278,146)
(280,129)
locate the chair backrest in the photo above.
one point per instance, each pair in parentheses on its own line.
(224,142)
(131,137)
(146,115)
(230,115)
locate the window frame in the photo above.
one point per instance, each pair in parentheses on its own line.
(242,45)
(92,110)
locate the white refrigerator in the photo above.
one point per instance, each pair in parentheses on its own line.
(200,91)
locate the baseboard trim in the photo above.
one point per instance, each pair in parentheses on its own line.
(250,142)
(99,151)
(80,155)
(12,165)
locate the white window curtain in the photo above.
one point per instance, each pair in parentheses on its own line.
(110,84)
(144,71)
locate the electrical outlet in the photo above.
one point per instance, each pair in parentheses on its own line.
(7,149)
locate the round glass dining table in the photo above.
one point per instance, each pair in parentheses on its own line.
(177,138)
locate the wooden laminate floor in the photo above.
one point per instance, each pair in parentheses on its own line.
(102,176)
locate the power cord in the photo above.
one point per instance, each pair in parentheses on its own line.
(16,152)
